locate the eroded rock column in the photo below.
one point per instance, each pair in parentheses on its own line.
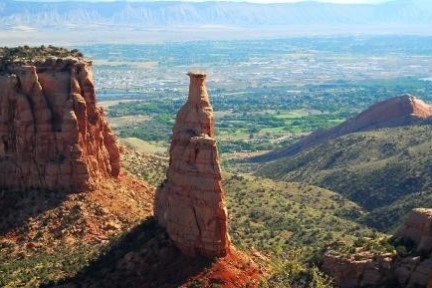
(190,203)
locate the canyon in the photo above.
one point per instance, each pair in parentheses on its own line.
(60,164)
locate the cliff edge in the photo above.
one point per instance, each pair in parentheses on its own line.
(52,134)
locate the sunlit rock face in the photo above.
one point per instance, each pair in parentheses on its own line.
(388,270)
(418,229)
(190,203)
(52,134)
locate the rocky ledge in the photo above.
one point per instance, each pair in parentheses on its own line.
(412,268)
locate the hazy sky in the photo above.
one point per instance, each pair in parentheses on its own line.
(332,1)
(290,1)
(256,1)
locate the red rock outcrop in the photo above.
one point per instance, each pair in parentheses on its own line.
(359,271)
(397,111)
(370,270)
(190,203)
(418,228)
(52,134)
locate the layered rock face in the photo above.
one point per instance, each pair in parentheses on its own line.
(52,134)
(363,271)
(369,270)
(190,203)
(397,111)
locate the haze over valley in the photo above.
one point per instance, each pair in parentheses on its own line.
(75,23)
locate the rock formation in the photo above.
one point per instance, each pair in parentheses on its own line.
(52,134)
(362,271)
(371,270)
(397,111)
(418,229)
(190,203)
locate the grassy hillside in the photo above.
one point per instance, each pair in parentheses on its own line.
(288,222)
(278,216)
(389,217)
(265,213)
(284,225)
(374,169)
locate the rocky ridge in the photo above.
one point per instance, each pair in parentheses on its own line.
(409,269)
(190,203)
(52,134)
(397,111)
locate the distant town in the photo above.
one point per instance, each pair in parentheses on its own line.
(266,93)
(136,70)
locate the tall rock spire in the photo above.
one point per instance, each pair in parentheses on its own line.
(190,203)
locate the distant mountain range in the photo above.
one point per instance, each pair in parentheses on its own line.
(71,14)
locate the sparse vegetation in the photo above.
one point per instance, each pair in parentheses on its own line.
(289,222)
(386,171)
(30,269)
(25,54)
(278,217)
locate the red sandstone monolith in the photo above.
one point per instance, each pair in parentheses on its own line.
(52,134)
(190,203)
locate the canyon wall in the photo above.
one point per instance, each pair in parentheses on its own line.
(52,134)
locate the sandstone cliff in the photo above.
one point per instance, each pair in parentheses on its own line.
(412,269)
(52,134)
(362,270)
(190,203)
(61,193)
(397,111)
